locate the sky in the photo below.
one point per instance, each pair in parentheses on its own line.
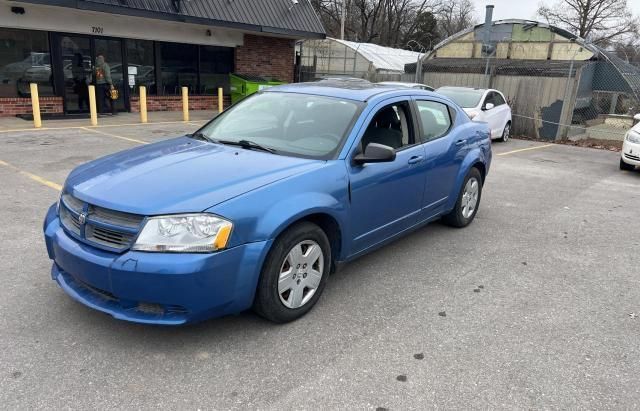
(524,9)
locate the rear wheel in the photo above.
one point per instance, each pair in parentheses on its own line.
(625,166)
(294,274)
(468,201)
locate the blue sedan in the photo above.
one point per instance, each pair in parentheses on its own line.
(257,208)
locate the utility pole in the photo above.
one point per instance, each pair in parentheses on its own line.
(343,15)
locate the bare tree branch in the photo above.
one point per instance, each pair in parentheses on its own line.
(601,21)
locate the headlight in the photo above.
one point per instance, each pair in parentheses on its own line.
(185,233)
(633,137)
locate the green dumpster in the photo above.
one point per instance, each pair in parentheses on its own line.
(243,85)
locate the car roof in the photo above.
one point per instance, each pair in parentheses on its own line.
(462,88)
(351,89)
(400,83)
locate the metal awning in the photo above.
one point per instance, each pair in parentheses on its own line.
(276,17)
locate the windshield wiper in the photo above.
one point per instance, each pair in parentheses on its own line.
(248,144)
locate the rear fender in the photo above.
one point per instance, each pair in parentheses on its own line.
(475,156)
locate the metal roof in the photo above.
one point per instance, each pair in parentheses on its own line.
(283,17)
(625,77)
(383,58)
(564,33)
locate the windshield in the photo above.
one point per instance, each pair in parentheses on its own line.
(465,98)
(293,124)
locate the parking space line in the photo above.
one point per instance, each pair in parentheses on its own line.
(525,149)
(21,130)
(32,176)
(114,135)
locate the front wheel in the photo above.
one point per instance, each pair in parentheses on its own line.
(294,274)
(468,201)
(625,166)
(506,133)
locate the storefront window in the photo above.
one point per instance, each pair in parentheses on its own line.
(141,66)
(24,59)
(215,65)
(179,67)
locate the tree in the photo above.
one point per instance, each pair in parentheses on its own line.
(393,23)
(425,31)
(602,22)
(454,16)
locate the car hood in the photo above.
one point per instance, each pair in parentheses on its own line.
(178,175)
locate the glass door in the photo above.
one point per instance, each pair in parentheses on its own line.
(75,58)
(75,71)
(111,51)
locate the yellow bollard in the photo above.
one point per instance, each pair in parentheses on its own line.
(35,105)
(185,103)
(143,104)
(92,105)
(220,100)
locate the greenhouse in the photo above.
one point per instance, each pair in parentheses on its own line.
(334,57)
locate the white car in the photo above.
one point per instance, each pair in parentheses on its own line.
(630,156)
(486,105)
(405,84)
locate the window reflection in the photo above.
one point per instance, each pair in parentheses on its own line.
(24,59)
(141,66)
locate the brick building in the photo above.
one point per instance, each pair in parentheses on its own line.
(162,44)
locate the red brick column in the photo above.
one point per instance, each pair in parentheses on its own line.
(266,57)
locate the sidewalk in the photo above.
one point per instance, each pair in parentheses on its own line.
(122,119)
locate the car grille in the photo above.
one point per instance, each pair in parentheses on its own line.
(632,157)
(103,228)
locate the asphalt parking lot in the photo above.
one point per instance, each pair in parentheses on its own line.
(532,306)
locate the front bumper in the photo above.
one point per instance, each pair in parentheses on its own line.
(155,288)
(631,153)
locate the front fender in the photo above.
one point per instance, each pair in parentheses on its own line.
(286,212)
(265,213)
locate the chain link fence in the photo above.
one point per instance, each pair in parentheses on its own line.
(591,100)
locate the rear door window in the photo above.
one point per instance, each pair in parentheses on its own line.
(435,119)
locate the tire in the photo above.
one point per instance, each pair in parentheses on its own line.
(293,253)
(626,167)
(460,217)
(506,133)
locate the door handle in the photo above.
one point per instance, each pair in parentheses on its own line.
(415,160)
(461,142)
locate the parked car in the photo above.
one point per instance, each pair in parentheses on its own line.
(261,204)
(486,105)
(405,84)
(630,155)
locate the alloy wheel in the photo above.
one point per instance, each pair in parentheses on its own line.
(300,274)
(506,133)
(470,197)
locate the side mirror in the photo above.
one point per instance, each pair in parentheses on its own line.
(489,106)
(376,153)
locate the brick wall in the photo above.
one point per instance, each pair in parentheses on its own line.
(266,56)
(11,107)
(174,103)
